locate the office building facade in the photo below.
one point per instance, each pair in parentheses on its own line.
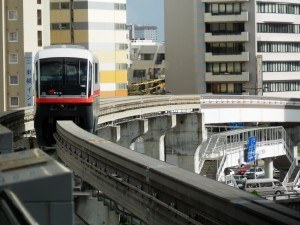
(100,26)
(24,30)
(143,32)
(233,47)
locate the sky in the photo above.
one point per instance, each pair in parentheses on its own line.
(150,12)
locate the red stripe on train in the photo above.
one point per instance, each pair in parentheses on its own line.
(61,100)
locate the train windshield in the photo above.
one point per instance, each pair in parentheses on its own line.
(63,76)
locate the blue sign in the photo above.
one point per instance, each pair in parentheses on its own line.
(251,149)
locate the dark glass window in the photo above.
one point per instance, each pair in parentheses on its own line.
(63,76)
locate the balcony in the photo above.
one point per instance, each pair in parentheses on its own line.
(242,17)
(242,57)
(242,77)
(238,37)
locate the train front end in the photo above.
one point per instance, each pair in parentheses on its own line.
(66,89)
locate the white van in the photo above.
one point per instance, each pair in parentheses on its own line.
(265,186)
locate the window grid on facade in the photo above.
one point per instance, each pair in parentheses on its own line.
(281,86)
(13,36)
(12,15)
(265,7)
(281,66)
(223,8)
(14,101)
(278,46)
(13,58)
(278,28)
(226,68)
(13,80)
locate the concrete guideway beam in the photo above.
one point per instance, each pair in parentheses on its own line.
(124,134)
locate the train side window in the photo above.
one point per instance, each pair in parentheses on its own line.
(90,78)
(96,72)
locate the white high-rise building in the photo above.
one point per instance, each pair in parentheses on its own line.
(233,47)
(24,29)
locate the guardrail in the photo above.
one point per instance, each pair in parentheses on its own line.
(19,121)
(284,197)
(159,193)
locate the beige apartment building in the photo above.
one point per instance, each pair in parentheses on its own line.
(233,47)
(24,30)
(100,26)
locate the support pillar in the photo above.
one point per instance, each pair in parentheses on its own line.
(183,140)
(268,167)
(111,133)
(154,138)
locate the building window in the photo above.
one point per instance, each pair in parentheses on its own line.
(12,15)
(225,88)
(60,26)
(281,86)
(65,5)
(40,39)
(234,68)
(139,73)
(223,8)
(39,17)
(291,66)
(278,28)
(61,5)
(39,1)
(121,46)
(120,6)
(121,86)
(13,80)
(14,101)
(121,66)
(120,26)
(13,58)
(13,36)
(278,46)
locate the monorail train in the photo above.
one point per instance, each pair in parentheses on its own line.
(66,88)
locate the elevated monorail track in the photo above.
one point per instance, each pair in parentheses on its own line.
(156,192)
(159,193)
(113,111)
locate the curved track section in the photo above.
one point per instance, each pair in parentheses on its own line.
(217,109)
(159,193)
(18,121)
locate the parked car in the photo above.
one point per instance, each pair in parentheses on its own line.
(296,188)
(265,186)
(255,173)
(243,169)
